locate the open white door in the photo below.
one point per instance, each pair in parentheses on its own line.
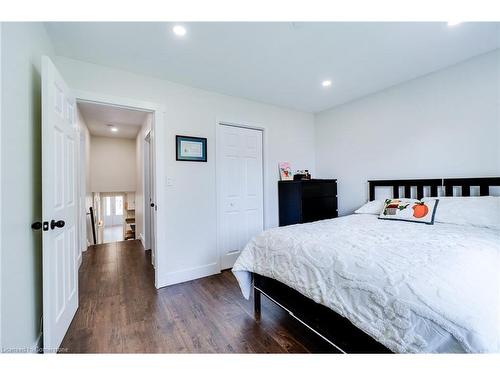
(59,204)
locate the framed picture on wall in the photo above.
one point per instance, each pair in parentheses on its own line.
(190,148)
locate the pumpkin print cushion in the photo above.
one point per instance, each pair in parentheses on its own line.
(409,210)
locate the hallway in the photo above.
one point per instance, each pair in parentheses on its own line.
(113,233)
(121,312)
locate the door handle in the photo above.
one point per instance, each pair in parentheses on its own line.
(59,224)
(152,204)
(37,225)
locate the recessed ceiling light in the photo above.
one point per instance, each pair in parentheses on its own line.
(454,23)
(112,128)
(326,83)
(179,30)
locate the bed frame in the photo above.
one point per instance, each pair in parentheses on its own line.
(446,184)
(335,329)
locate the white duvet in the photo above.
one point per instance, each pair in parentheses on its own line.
(413,287)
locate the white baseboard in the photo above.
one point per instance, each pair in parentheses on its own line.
(141,237)
(189,274)
(227,261)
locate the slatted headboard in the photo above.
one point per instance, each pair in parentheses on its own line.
(420,184)
(484,184)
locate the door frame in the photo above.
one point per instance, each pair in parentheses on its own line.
(148,192)
(245,125)
(82,186)
(146,165)
(1,127)
(158,124)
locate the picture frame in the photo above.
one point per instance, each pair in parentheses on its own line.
(285,171)
(189,148)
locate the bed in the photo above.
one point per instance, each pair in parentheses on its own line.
(371,286)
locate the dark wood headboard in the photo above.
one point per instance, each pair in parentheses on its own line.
(484,184)
(433,183)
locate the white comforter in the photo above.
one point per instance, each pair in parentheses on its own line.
(411,286)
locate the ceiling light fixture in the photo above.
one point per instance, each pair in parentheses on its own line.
(326,83)
(112,128)
(179,30)
(454,23)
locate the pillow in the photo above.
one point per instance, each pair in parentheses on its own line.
(475,211)
(409,210)
(372,208)
(375,207)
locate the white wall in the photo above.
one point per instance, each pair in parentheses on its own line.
(191,201)
(23,44)
(112,164)
(139,192)
(446,124)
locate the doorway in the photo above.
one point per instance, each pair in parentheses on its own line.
(116,179)
(67,193)
(113,218)
(113,212)
(240,192)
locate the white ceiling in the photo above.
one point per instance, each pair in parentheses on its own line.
(279,63)
(98,118)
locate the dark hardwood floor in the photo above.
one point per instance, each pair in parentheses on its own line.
(122,312)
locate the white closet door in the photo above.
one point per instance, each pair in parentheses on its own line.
(240,184)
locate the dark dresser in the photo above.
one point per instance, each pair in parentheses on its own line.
(306,201)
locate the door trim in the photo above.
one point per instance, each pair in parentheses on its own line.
(1,127)
(160,154)
(82,194)
(146,237)
(148,143)
(244,125)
